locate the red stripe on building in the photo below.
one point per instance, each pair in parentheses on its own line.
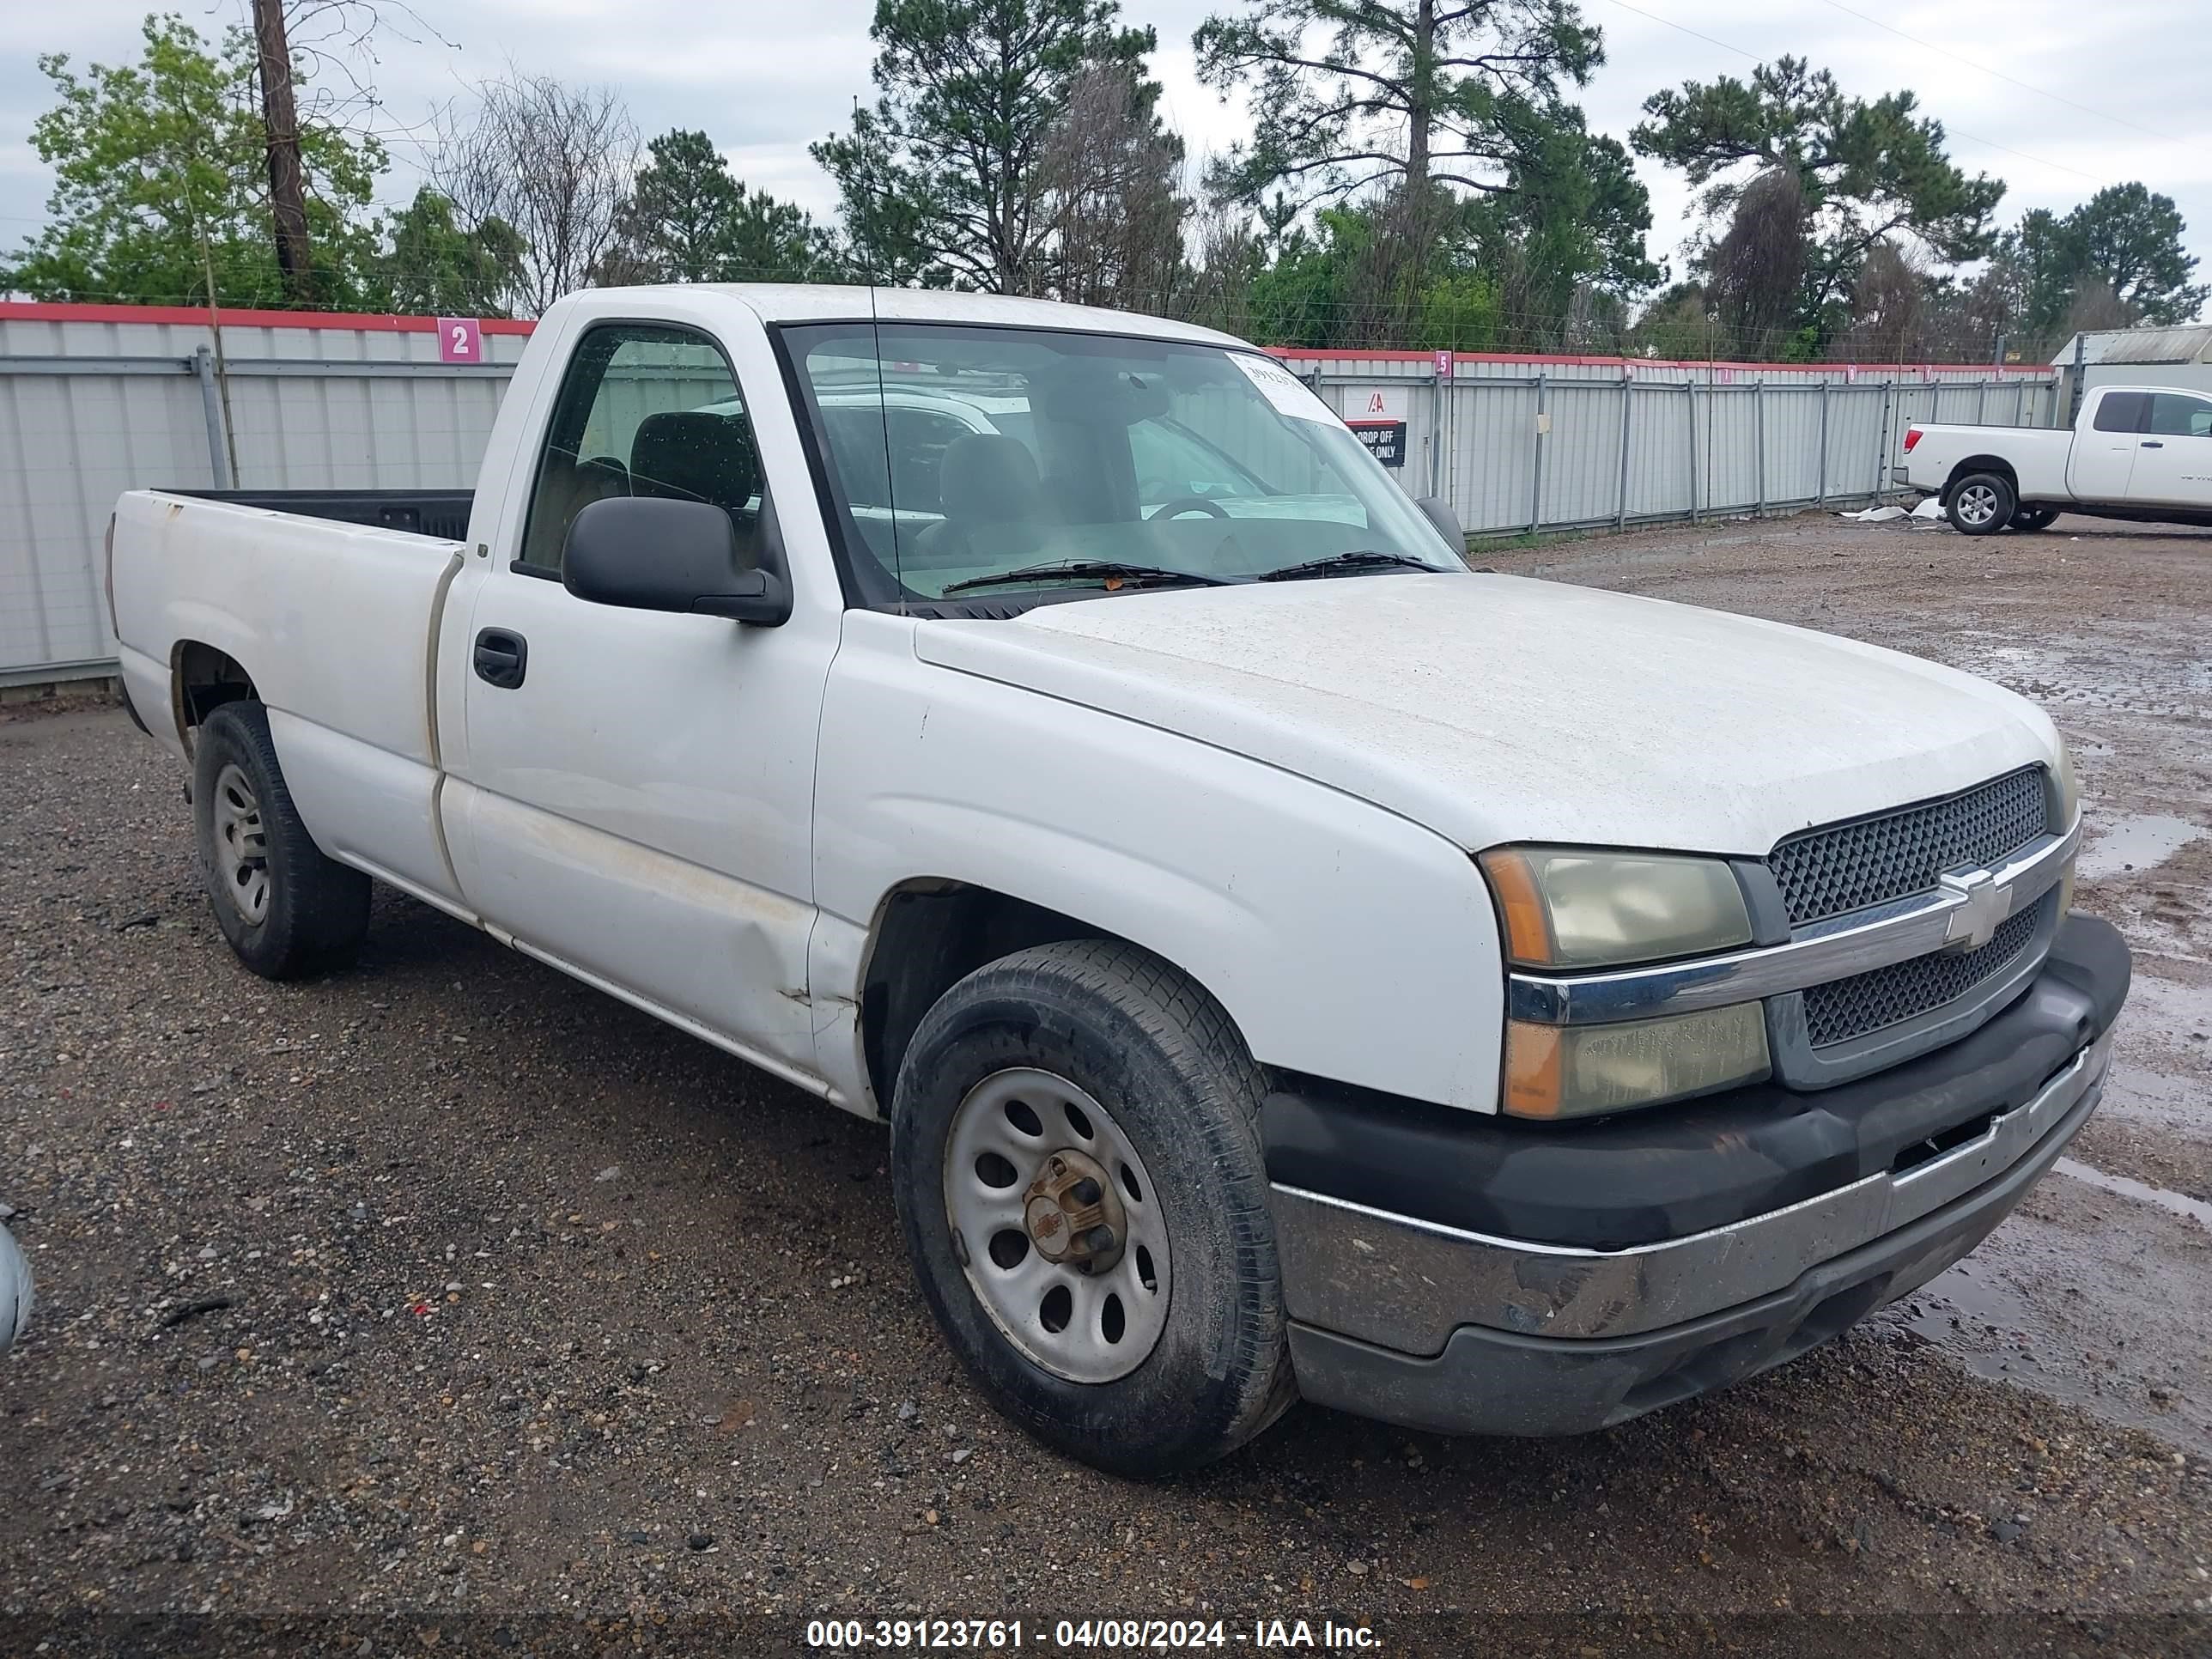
(37,311)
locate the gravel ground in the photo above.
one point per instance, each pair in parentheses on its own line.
(447,1303)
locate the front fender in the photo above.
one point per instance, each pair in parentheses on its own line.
(1344,940)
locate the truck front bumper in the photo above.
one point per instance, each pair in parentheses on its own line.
(1413,1316)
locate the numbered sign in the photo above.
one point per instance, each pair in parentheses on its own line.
(1443,364)
(459,340)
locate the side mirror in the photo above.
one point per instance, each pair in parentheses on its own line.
(1437,511)
(650,553)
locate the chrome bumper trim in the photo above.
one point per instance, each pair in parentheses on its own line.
(1407,1285)
(1959,914)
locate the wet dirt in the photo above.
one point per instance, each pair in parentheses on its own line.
(2099,1291)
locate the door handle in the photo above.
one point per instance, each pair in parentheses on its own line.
(502,658)
(2153,446)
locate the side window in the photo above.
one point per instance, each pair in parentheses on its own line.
(2178,416)
(643,409)
(2122,411)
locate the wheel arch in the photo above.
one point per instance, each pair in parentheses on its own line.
(1973,464)
(930,933)
(201,678)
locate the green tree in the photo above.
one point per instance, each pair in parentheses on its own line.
(1350,95)
(1447,119)
(689,220)
(160,183)
(2131,239)
(1865,173)
(1314,292)
(435,266)
(941,180)
(1570,223)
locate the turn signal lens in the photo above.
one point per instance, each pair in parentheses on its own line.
(1584,1071)
(1564,907)
(1911,437)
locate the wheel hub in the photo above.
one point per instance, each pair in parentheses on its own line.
(1072,1213)
(241,844)
(1056,1224)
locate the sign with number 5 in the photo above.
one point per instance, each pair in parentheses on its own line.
(459,340)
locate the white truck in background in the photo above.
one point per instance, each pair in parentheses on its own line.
(1288,962)
(2136,452)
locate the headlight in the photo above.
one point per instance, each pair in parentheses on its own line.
(1564,907)
(1580,1071)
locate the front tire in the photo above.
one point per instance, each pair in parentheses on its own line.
(1981,504)
(1076,1157)
(287,909)
(2032,519)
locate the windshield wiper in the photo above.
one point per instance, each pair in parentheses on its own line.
(1364,558)
(1061,569)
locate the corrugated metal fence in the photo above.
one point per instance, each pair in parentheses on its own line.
(97,399)
(1538,444)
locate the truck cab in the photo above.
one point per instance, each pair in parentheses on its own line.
(1287,962)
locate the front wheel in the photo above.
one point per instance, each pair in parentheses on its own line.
(2032,519)
(1981,504)
(1076,1157)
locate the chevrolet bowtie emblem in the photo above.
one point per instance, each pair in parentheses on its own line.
(1983,906)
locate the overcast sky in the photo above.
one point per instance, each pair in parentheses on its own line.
(2114,90)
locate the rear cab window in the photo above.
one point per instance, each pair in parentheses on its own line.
(2122,411)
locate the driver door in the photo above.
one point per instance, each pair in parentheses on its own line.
(634,798)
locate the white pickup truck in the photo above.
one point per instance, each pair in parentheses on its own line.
(2136,452)
(1289,962)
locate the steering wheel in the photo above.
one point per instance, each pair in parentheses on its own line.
(1182,504)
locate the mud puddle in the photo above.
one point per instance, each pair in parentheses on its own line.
(2093,1294)
(2136,842)
(2189,1209)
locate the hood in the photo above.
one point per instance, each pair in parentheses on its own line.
(1502,708)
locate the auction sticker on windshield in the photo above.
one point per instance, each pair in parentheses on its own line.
(1290,395)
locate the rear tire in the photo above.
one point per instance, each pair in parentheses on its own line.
(287,909)
(2030,520)
(1116,1034)
(1981,504)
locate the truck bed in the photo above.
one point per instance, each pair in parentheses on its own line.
(441,513)
(337,620)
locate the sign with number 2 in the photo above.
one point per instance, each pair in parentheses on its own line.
(459,340)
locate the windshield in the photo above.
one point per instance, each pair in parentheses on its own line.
(991,461)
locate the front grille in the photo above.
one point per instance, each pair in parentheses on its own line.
(1848,867)
(1846,1008)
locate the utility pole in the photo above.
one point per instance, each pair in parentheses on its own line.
(286,183)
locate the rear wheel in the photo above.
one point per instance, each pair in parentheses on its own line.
(1981,504)
(286,909)
(2032,519)
(1076,1158)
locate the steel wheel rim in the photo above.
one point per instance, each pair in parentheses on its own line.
(1084,1328)
(1978,504)
(242,845)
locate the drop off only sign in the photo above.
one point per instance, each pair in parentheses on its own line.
(1379,418)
